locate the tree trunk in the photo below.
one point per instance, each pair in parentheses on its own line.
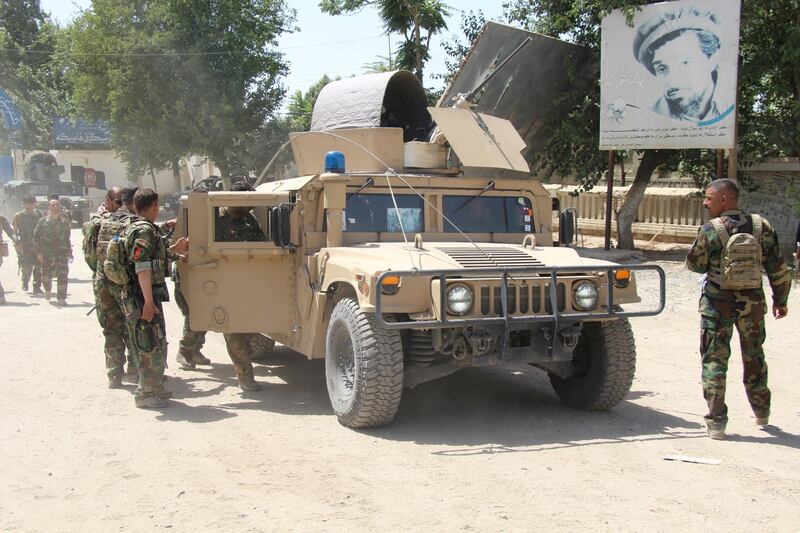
(418,46)
(176,175)
(651,160)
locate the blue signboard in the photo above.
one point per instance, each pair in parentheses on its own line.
(11,117)
(81,134)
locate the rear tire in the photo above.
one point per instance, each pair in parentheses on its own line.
(606,359)
(363,367)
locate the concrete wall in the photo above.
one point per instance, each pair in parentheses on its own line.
(770,182)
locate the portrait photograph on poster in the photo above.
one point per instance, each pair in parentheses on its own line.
(669,80)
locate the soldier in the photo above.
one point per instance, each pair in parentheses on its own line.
(66,213)
(5,226)
(24,223)
(99,231)
(238,224)
(192,342)
(53,250)
(732,296)
(142,299)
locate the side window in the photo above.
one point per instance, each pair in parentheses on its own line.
(241,223)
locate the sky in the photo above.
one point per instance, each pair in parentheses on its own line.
(336,46)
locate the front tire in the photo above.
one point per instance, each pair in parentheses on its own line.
(606,361)
(363,367)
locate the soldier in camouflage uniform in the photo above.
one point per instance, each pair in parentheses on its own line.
(721,310)
(101,228)
(5,226)
(24,223)
(143,297)
(53,250)
(189,354)
(237,224)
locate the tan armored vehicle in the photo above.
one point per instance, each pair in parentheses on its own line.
(407,260)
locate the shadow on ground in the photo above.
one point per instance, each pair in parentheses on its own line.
(493,410)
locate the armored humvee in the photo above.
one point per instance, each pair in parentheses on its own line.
(400,261)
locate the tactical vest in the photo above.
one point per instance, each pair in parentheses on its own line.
(91,229)
(740,258)
(112,257)
(25,222)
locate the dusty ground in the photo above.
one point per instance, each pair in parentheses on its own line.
(484,450)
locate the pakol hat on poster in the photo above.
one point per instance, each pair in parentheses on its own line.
(665,24)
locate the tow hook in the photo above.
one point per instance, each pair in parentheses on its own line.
(570,336)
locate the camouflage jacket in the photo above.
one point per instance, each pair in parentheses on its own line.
(51,238)
(147,250)
(706,253)
(241,229)
(24,224)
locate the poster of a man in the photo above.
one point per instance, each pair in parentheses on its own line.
(678,87)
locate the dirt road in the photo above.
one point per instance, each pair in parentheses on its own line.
(483,450)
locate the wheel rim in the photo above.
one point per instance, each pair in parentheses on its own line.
(345,362)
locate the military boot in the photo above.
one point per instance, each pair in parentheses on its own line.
(114,382)
(762,420)
(24,286)
(62,302)
(48,295)
(248,383)
(37,291)
(716,430)
(199,359)
(151,402)
(186,363)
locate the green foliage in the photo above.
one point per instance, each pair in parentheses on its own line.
(381,64)
(769,96)
(416,20)
(456,50)
(173,78)
(301,105)
(32,71)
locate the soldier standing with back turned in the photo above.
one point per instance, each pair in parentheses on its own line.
(731,249)
(24,223)
(98,232)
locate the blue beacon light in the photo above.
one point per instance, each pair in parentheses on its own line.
(334,162)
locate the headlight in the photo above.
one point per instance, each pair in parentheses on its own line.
(584,295)
(459,299)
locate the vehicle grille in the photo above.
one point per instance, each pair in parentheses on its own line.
(523,298)
(491,257)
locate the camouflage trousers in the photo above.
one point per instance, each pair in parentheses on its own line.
(192,341)
(715,339)
(149,341)
(29,265)
(58,268)
(115,331)
(238,345)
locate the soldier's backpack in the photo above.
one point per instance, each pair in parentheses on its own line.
(112,249)
(741,257)
(91,229)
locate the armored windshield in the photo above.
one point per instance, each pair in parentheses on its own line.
(488,214)
(376,212)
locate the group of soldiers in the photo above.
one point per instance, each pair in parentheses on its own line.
(131,259)
(42,245)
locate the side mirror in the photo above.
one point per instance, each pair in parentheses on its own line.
(280,225)
(567,226)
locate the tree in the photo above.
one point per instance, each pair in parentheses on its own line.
(416,20)
(173,78)
(769,99)
(301,105)
(32,71)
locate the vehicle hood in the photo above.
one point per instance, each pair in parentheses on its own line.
(372,259)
